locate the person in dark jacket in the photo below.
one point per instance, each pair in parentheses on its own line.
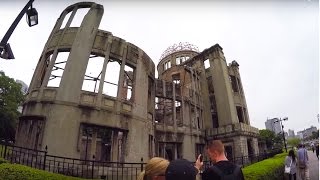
(222,168)
(317,151)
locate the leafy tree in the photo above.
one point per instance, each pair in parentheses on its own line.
(267,136)
(315,134)
(293,142)
(10,98)
(278,140)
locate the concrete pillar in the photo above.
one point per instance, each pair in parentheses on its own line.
(104,68)
(255,146)
(205,100)
(240,146)
(114,146)
(227,113)
(164,95)
(72,79)
(93,144)
(121,75)
(174,114)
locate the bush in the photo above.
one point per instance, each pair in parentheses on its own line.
(3,161)
(269,169)
(19,172)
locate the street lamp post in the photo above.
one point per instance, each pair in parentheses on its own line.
(284,138)
(32,19)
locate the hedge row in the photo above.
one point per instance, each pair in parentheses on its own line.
(269,169)
(3,161)
(19,172)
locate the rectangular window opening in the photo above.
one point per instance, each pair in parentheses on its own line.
(110,85)
(176,78)
(178,61)
(177,104)
(93,73)
(65,20)
(206,64)
(150,146)
(128,82)
(79,16)
(150,90)
(234,83)
(169,64)
(182,59)
(156,103)
(240,114)
(57,69)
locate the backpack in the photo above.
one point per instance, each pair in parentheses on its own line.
(302,161)
(232,176)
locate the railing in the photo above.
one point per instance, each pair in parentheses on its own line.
(94,169)
(247,160)
(70,166)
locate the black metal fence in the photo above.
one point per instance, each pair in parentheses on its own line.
(94,169)
(70,166)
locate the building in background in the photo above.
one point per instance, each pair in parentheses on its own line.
(24,88)
(299,134)
(273,125)
(307,132)
(286,135)
(101,100)
(291,133)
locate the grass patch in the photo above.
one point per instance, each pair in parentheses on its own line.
(269,169)
(20,172)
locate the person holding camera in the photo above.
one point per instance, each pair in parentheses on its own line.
(221,168)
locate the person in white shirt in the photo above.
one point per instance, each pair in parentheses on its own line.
(291,161)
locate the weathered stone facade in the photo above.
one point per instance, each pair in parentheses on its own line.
(130,114)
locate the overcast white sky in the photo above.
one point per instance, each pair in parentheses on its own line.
(275,43)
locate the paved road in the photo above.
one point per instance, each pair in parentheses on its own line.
(313,166)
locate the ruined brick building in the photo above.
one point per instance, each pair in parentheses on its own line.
(79,107)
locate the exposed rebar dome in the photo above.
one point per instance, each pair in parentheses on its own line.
(182,46)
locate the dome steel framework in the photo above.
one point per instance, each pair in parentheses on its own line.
(182,46)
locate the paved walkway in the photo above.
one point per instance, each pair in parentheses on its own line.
(313,166)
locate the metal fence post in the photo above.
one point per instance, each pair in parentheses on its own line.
(45,158)
(93,157)
(5,149)
(242,161)
(141,164)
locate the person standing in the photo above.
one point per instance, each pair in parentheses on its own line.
(317,151)
(222,168)
(183,169)
(303,162)
(312,147)
(291,162)
(155,169)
